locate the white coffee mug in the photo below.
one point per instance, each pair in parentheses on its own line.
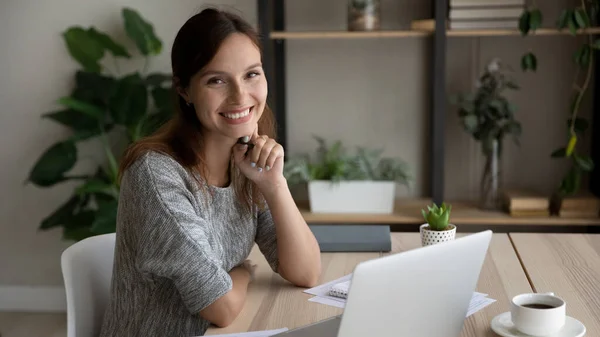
(538,314)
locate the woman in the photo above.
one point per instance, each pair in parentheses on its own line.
(193,202)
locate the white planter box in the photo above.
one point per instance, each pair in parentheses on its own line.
(370,197)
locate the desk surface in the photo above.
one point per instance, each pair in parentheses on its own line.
(273,303)
(569,266)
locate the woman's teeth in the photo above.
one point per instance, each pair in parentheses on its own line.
(238,114)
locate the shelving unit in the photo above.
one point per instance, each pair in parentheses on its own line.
(274,35)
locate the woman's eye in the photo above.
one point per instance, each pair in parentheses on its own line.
(215,80)
(253,74)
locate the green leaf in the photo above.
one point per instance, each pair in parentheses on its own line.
(571,182)
(157,79)
(73,119)
(61,215)
(106,218)
(513,128)
(596,44)
(83,48)
(581,125)
(84,107)
(470,123)
(512,85)
(93,88)
(102,198)
(53,164)
(562,21)
(584,162)
(163,98)
(529,62)
(582,56)
(141,32)
(94,186)
(559,153)
(581,18)
(524,24)
(153,122)
(76,234)
(572,25)
(108,43)
(535,19)
(112,163)
(129,101)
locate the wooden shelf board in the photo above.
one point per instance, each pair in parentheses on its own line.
(418,33)
(347,34)
(509,32)
(408,211)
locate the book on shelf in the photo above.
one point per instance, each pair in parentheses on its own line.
(526,203)
(581,205)
(485,3)
(429,24)
(484,24)
(485,14)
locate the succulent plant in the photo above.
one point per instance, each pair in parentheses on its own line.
(437,217)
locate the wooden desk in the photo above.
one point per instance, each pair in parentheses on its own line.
(569,266)
(273,303)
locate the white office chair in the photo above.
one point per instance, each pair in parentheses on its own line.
(87,272)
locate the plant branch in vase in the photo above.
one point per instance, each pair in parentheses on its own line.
(489,117)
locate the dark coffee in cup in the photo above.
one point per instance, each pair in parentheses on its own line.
(538,306)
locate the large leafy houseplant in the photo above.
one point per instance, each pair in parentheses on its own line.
(104,104)
(488,116)
(335,164)
(576,18)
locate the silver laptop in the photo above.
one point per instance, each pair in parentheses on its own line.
(423,292)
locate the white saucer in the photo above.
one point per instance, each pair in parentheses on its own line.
(503,326)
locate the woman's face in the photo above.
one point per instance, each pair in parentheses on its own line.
(229,94)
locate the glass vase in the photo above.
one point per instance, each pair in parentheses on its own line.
(491,178)
(364,15)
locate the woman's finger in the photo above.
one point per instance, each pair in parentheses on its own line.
(254,155)
(276,152)
(265,153)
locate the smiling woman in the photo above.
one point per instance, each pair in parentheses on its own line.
(194,202)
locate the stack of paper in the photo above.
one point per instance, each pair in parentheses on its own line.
(322,295)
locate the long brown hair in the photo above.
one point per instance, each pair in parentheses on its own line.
(195,45)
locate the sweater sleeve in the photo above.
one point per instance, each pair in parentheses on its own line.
(171,239)
(266,238)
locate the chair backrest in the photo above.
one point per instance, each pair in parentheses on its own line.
(87,272)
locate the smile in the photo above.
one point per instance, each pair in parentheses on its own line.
(237,115)
(240,116)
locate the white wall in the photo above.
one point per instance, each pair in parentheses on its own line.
(365,92)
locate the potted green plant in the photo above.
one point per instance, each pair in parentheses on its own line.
(105,106)
(489,117)
(437,228)
(341,182)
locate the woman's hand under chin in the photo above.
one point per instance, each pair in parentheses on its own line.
(263,164)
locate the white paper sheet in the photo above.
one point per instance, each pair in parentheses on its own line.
(264,333)
(478,300)
(322,289)
(327,301)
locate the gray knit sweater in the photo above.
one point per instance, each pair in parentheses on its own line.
(174,249)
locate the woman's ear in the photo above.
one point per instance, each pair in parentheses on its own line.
(180,90)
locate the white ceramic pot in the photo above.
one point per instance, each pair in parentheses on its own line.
(355,196)
(430,237)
